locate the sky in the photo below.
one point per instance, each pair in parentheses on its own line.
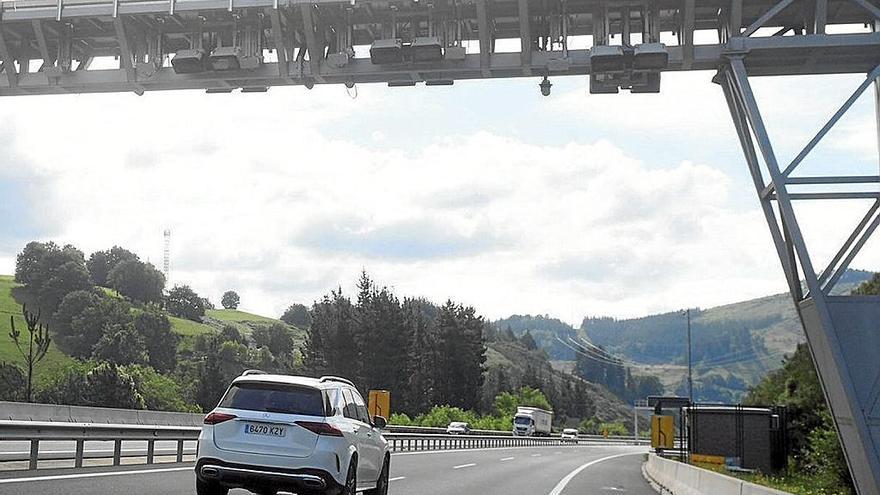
(484,192)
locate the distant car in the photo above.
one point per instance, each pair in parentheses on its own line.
(569,435)
(458,428)
(274,433)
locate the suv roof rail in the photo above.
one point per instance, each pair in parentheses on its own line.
(335,379)
(252,372)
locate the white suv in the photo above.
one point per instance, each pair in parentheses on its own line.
(274,433)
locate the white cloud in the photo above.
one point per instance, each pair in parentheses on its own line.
(264,196)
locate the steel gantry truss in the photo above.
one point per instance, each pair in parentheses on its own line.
(843,332)
(49,47)
(52,46)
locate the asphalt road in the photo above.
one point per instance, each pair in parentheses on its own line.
(594,470)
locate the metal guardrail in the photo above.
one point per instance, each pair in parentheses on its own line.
(37,432)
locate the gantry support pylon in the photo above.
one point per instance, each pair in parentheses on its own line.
(843,332)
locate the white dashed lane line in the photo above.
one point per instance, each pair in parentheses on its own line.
(508,459)
(398,478)
(536,455)
(464,466)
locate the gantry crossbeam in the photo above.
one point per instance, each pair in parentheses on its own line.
(299,42)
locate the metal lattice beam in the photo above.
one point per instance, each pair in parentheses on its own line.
(841,331)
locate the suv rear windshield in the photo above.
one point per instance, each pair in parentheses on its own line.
(274,397)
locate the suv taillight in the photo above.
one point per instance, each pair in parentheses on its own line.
(214,417)
(320,428)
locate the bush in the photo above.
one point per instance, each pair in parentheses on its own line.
(160,392)
(12,382)
(441,416)
(87,384)
(400,419)
(824,458)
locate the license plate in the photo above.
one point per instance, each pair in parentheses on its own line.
(265,430)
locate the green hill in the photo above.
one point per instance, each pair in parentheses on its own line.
(10,307)
(733,346)
(55,359)
(247,322)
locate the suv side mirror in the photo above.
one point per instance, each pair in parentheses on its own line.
(380,422)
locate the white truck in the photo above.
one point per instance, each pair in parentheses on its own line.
(531,421)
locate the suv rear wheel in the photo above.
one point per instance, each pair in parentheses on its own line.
(350,487)
(210,488)
(382,482)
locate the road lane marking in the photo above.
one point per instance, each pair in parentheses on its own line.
(536,455)
(557,490)
(464,466)
(398,478)
(93,475)
(508,459)
(455,451)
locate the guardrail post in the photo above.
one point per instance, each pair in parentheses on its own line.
(151,445)
(117,452)
(35,454)
(180,451)
(78,459)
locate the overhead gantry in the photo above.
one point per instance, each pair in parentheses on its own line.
(63,46)
(94,46)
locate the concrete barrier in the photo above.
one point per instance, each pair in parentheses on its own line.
(22,411)
(678,478)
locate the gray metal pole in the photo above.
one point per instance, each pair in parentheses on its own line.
(690,367)
(636,421)
(877,96)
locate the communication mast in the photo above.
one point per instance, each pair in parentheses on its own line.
(166,260)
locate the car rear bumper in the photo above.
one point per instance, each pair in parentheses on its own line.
(257,477)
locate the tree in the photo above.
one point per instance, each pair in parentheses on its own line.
(138,281)
(870,287)
(121,344)
(330,347)
(211,383)
(69,277)
(83,317)
(462,354)
(231,334)
(276,337)
(528,341)
(101,263)
(230,300)
(34,349)
(159,339)
(297,315)
(49,272)
(183,302)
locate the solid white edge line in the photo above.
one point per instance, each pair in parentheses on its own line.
(93,475)
(557,490)
(595,445)
(472,464)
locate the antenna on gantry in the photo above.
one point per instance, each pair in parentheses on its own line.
(166,259)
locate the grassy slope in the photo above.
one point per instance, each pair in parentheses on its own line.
(246,322)
(8,352)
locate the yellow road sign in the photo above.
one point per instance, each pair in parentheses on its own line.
(380,403)
(662,432)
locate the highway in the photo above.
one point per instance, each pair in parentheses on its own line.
(554,470)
